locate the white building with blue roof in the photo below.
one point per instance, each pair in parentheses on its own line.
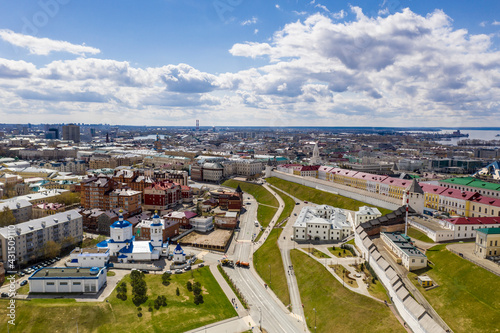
(179,257)
(122,243)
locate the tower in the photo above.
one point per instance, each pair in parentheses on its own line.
(197,125)
(156,231)
(269,168)
(415,197)
(315,159)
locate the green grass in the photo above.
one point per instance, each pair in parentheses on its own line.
(316,253)
(468,296)
(110,273)
(180,314)
(269,254)
(263,197)
(289,205)
(319,197)
(340,253)
(338,307)
(417,234)
(377,290)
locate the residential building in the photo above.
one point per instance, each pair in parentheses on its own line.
(67,280)
(142,230)
(182,218)
(20,208)
(487,242)
(45,209)
(30,237)
(162,195)
(71,132)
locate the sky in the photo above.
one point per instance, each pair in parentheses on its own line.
(251,63)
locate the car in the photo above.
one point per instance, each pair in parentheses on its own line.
(24,282)
(297,203)
(168,272)
(248,198)
(201,265)
(145,271)
(178,271)
(306,202)
(21,274)
(5,295)
(188,268)
(294,214)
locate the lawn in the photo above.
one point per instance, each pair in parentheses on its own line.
(417,234)
(316,253)
(263,197)
(336,306)
(340,253)
(319,197)
(180,314)
(269,254)
(289,205)
(468,296)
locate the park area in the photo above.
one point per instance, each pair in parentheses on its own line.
(115,315)
(335,305)
(468,296)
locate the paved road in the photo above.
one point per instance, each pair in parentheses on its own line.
(262,303)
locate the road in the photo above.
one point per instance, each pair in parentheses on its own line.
(262,304)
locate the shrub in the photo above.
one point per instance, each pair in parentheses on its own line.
(189,286)
(198,299)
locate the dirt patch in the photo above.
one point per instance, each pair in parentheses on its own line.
(215,238)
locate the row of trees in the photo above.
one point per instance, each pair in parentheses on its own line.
(196,289)
(139,287)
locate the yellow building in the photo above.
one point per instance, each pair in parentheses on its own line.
(487,242)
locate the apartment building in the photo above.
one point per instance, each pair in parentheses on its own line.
(30,237)
(487,242)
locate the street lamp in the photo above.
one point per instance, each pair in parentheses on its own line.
(269,274)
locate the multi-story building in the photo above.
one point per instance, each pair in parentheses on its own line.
(364,214)
(182,218)
(30,237)
(487,242)
(202,224)
(45,209)
(71,132)
(472,184)
(321,223)
(162,196)
(248,167)
(21,209)
(142,230)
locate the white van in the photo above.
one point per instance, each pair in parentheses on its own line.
(257,223)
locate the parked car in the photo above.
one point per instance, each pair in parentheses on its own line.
(21,274)
(168,272)
(188,268)
(5,295)
(294,214)
(145,271)
(24,282)
(201,265)
(178,271)
(297,203)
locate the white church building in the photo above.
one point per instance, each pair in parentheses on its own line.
(122,243)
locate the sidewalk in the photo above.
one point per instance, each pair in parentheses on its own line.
(242,312)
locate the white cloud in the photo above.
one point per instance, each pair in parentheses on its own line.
(44,46)
(495,23)
(277,6)
(253,20)
(322,7)
(301,13)
(339,15)
(368,71)
(256,31)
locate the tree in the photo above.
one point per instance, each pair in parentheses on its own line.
(198,299)
(7,217)
(68,241)
(51,249)
(177,292)
(189,286)
(165,278)
(66,198)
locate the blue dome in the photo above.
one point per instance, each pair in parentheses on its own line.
(121,224)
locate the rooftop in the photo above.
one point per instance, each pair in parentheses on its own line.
(65,272)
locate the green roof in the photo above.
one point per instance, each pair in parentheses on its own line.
(490,231)
(472,182)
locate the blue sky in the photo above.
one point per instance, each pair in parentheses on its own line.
(241,62)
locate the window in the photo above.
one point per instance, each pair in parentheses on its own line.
(50,283)
(63,283)
(77,283)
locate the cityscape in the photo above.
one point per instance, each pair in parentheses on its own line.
(234,166)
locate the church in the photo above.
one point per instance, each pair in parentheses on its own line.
(125,248)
